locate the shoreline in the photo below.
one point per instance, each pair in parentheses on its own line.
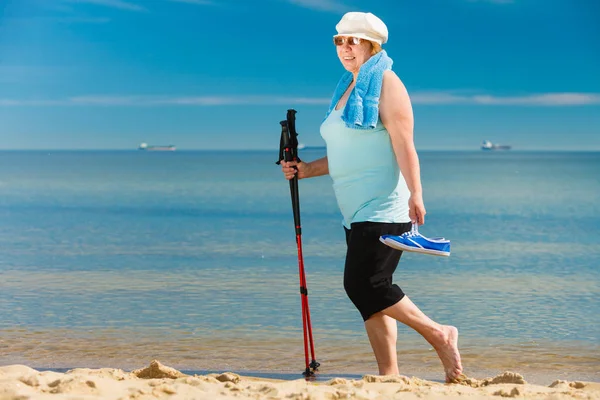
(283,358)
(532,376)
(159,381)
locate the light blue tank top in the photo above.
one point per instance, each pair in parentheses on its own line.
(366,178)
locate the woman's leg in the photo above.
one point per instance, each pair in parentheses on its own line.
(368,282)
(383,332)
(443,338)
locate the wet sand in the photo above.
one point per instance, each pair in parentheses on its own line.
(62,349)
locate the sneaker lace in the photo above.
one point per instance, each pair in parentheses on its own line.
(414,231)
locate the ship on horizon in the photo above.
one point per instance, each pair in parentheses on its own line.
(487,145)
(146,147)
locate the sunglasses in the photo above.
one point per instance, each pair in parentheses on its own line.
(342,40)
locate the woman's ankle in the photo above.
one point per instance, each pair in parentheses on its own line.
(388,370)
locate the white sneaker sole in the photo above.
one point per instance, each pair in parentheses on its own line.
(399,246)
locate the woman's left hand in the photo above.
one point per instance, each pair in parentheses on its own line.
(416,209)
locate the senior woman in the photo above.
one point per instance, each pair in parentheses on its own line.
(371,158)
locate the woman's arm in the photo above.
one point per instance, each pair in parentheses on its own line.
(318,167)
(396,114)
(305,170)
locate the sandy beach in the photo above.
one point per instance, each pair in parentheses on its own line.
(157,381)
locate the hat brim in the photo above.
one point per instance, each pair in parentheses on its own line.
(362,36)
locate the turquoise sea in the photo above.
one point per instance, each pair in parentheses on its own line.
(115,258)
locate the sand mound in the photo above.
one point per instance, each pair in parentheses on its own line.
(157,371)
(505,377)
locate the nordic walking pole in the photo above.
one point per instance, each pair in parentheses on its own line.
(291,122)
(286,154)
(288,148)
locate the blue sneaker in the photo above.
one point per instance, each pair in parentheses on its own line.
(415,242)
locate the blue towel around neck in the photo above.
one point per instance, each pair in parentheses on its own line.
(362,108)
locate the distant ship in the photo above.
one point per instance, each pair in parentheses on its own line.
(144,146)
(487,145)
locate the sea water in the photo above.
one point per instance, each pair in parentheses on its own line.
(112,259)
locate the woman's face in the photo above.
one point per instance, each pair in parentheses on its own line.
(352,52)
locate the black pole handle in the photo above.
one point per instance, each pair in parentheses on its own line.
(291,123)
(288,151)
(284,142)
(289,138)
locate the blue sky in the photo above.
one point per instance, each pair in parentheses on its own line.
(206,74)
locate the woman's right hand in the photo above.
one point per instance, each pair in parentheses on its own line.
(291,168)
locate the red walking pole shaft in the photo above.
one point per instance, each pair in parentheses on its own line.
(304,290)
(303,302)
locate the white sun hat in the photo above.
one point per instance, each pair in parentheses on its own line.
(362,25)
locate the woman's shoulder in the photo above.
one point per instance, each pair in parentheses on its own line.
(391,80)
(394,95)
(392,86)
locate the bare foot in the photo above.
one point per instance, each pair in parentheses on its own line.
(447,348)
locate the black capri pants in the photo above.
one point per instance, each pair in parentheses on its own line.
(370,265)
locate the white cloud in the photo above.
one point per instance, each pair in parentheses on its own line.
(542,99)
(120,4)
(548,99)
(321,5)
(420,98)
(12,102)
(145,101)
